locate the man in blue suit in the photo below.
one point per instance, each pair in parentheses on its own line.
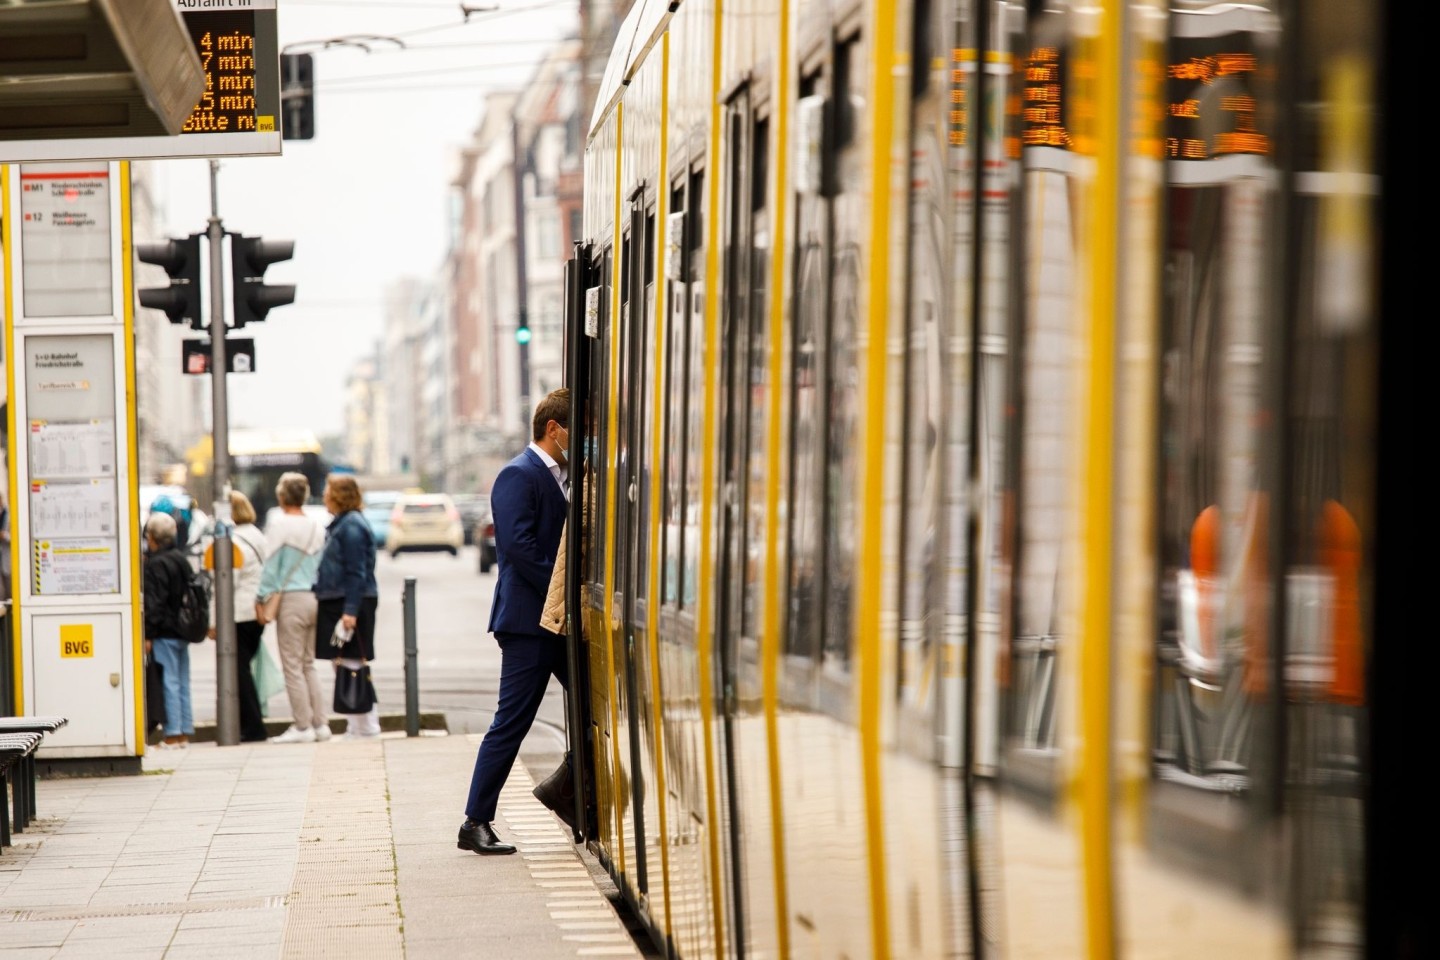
(528,500)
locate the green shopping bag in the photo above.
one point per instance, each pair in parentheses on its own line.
(269,679)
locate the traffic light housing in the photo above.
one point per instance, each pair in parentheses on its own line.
(181,260)
(297,96)
(253,297)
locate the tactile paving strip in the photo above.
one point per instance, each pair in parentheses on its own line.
(140,909)
(346,865)
(577,907)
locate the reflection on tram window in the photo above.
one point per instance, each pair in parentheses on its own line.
(806,588)
(842,461)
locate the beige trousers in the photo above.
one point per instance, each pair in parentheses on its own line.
(295,635)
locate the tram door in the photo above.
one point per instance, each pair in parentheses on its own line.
(744,468)
(632,550)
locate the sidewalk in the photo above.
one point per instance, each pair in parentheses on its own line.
(340,850)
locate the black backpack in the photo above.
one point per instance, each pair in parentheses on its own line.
(193,618)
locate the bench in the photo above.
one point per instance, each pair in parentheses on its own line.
(20,738)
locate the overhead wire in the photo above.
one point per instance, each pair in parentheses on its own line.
(439,71)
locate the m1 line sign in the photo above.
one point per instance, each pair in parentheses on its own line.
(237,116)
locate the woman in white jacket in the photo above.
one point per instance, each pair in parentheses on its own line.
(251,551)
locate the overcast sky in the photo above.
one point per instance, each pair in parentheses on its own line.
(366,200)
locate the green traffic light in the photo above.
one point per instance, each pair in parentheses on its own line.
(522,335)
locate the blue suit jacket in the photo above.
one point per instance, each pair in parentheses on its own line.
(529,511)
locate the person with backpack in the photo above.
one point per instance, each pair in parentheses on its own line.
(168,619)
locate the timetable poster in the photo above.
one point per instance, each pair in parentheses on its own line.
(74,566)
(72,450)
(74,500)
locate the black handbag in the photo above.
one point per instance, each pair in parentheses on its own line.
(154,693)
(354,693)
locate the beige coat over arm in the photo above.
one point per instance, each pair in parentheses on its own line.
(552,618)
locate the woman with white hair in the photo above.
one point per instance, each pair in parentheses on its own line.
(295,540)
(167,578)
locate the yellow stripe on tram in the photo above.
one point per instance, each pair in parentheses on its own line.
(652,609)
(869,565)
(612,441)
(1098,83)
(704,618)
(770,640)
(136,581)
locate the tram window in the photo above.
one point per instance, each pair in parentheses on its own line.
(843,402)
(650,247)
(694,426)
(596,436)
(807,426)
(625,266)
(924,388)
(844,107)
(624,417)
(759,399)
(645,368)
(674,423)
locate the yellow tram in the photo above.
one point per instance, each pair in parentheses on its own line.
(976,413)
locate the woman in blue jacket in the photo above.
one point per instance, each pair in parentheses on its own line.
(346,593)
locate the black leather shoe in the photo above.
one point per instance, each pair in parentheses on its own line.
(557,792)
(481,838)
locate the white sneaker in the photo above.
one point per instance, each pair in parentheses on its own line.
(322,733)
(361,736)
(295,735)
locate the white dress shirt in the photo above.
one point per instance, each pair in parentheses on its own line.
(556,471)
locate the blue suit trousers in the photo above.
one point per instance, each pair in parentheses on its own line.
(526,664)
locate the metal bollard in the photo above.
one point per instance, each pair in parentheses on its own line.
(412,675)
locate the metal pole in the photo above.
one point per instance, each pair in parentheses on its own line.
(520,164)
(227,693)
(412,674)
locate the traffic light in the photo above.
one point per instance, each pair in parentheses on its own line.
(297,96)
(250,256)
(181,260)
(522,333)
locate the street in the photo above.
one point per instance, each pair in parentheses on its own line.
(458,661)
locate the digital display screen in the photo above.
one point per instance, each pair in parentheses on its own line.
(1211,99)
(225,42)
(238,113)
(961,62)
(1043,110)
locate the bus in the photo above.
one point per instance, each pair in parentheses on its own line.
(259,457)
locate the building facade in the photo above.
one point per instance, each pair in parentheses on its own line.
(172,408)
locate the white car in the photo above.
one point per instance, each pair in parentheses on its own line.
(424,521)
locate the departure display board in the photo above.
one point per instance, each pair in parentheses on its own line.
(226,44)
(239,111)
(962,66)
(1043,111)
(1211,97)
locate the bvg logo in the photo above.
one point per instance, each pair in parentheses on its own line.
(77,640)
